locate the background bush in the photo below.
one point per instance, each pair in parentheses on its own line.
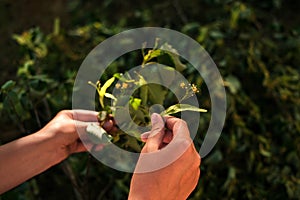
(255,44)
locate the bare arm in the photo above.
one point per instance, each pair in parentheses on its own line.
(26,157)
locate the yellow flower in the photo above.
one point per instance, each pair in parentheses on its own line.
(182,85)
(124,85)
(194,88)
(118,85)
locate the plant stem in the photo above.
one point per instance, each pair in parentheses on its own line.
(80,195)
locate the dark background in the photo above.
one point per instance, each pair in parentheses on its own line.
(255,44)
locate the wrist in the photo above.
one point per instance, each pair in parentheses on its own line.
(51,148)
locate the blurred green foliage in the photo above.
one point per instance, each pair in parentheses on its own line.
(255,44)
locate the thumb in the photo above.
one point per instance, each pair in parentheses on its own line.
(156,135)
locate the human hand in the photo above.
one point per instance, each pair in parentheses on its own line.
(47,147)
(176,180)
(64,129)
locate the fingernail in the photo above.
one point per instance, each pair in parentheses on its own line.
(155,118)
(143,136)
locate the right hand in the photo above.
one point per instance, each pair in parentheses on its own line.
(176,180)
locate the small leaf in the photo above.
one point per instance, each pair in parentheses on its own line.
(21,39)
(141,81)
(233,84)
(8,85)
(181,107)
(56,26)
(156,94)
(102,115)
(97,134)
(214,158)
(108,95)
(103,90)
(135,103)
(144,91)
(264,152)
(152,54)
(132,143)
(174,55)
(216,34)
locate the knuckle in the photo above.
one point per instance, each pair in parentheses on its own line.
(183,122)
(62,113)
(65,112)
(57,126)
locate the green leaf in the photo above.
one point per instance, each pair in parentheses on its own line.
(264,152)
(230,177)
(8,85)
(132,143)
(214,158)
(21,39)
(25,69)
(56,26)
(203,34)
(103,90)
(216,34)
(152,54)
(139,116)
(174,55)
(143,90)
(156,94)
(12,96)
(233,84)
(181,107)
(97,134)
(135,103)
(110,96)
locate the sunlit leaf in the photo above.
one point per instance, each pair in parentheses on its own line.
(103,90)
(135,103)
(181,107)
(110,96)
(152,54)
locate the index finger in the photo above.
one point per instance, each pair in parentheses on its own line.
(178,127)
(85,115)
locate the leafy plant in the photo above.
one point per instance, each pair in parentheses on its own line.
(255,45)
(141,101)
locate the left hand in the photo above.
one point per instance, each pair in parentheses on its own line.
(47,147)
(64,129)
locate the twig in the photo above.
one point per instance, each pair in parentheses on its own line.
(180,11)
(20,125)
(69,172)
(87,175)
(104,190)
(38,121)
(47,109)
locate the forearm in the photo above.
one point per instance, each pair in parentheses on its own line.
(24,158)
